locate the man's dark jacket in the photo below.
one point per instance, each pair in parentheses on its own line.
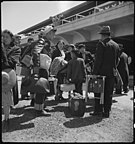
(107,54)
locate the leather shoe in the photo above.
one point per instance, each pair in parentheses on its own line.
(43,113)
(126,91)
(105,115)
(95,113)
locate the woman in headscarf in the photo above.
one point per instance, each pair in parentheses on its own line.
(58,56)
(12,52)
(10,56)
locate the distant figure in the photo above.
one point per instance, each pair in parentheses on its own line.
(124,70)
(13,52)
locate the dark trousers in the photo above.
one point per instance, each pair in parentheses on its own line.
(78,87)
(45,74)
(108,92)
(15,94)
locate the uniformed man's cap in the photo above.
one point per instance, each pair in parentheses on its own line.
(105,30)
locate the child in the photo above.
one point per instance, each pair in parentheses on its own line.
(76,72)
(8,81)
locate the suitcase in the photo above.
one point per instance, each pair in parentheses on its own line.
(77,105)
(96,85)
(52,91)
(53,85)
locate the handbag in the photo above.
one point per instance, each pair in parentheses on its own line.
(27,60)
(45,61)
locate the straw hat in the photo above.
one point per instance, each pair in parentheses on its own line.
(8,79)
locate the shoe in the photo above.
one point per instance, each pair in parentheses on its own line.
(95,113)
(12,107)
(106,115)
(57,98)
(6,125)
(118,91)
(28,97)
(43,113)
(126,91)
(32,102)
(62,98)
(24,96)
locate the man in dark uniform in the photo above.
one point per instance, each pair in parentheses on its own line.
(105,64)
(123,70)
(42,47)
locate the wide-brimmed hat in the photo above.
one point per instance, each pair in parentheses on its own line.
(105,30)
(8,79)
(49,28)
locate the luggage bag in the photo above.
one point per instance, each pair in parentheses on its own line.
(77,105)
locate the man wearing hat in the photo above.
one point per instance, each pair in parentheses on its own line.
(106,59)
(42,47)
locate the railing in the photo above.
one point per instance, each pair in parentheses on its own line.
(91,11)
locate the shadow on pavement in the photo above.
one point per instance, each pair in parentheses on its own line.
(23,121)
(81,122)
(53,102)
(119,95)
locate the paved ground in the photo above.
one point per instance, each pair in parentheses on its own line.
(25,126)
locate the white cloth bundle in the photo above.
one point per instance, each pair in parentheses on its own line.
(45,61)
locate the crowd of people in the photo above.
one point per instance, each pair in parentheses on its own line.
(71,66)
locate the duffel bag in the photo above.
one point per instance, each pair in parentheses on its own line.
(77,105)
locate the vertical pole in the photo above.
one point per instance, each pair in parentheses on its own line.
(86,92)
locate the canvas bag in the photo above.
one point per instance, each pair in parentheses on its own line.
(57,64)
(45,61)
(27,60)
(77,105)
